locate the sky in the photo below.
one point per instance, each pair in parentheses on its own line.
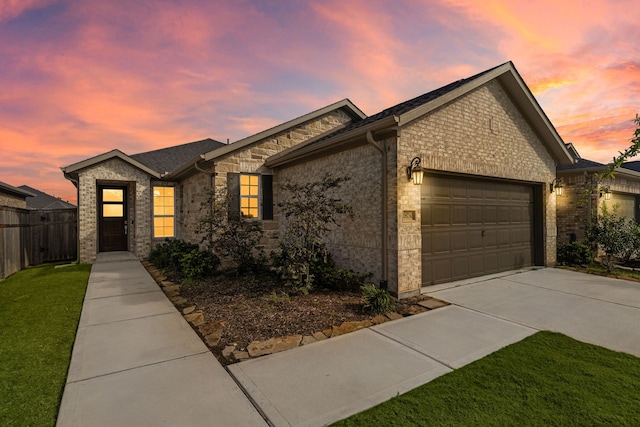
(81,77)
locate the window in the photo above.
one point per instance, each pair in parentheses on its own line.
(163,212)
(250,195)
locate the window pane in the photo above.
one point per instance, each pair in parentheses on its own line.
(114,210)
(245,180)
(112,195)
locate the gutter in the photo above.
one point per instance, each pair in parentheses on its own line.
(384,283)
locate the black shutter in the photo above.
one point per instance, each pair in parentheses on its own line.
(233,193)
(267,196)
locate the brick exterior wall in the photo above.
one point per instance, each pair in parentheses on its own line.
(12,201)
(249,160)
(574,207)
(356,244)
(481,133)
(114,172)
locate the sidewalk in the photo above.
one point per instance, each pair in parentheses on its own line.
(136,361)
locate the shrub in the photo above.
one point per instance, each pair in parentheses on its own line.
(198,264)
(615,236)
(574,253)
(168,255)
(377,300)
(237,240)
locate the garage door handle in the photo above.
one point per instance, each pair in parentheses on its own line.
(482,234)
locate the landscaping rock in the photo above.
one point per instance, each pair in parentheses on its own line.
(213,339)
(392,315)
(216,326)
(380,318)
(327,332)
(189,310)
(319,336)
(308,339)
(228,350)
(433,303)
(196,318)
(164,284)
(240,355)
(412,310)
(347,327)
(172,291)
(178,300)
(273,345)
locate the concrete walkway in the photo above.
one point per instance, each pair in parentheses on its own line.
(137,362)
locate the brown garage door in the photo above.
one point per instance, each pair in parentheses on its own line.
(472,227)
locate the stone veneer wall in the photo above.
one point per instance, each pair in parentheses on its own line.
(481,133)
(12,201)
(356,244)
(114,172)
(574,208)
(249,160)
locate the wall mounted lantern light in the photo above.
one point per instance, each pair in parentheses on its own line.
(606,192)
(556,185)
(415,172)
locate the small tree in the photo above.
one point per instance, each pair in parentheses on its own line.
(311,212)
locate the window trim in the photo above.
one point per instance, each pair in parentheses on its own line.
(257,197)
(154,215)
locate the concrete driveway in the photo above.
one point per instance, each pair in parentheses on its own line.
(587,307)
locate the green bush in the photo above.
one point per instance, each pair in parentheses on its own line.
(377,300)
(198,264)
(574,253)
(617,237)
(168,255)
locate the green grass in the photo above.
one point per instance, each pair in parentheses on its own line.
(39,313)
(547,379)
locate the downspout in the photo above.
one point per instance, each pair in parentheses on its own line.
(381,147)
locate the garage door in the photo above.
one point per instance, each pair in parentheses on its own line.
(472,227)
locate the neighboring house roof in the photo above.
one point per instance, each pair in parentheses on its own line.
(15,191)
(629,169)
(44,201)
(345,104)
(407,111)
(634,166)
(168,159)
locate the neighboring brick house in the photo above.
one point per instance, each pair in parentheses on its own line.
(489,154)
(488,151)
(130,203)
(582,195)
(13,197)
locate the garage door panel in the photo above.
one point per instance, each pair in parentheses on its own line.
(441,215)
(472,227)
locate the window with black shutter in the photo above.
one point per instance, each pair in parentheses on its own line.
(250,195)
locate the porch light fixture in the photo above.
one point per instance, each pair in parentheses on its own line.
(415,172)
(606,192)
(556,185)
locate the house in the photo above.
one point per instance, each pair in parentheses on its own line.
(13,197)
(44,201)
(489,155)
(486,150)
(132,202)
(582,195)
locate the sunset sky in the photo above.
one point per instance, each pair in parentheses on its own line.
(81,77)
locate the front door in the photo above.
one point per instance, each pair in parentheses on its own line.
(112,206)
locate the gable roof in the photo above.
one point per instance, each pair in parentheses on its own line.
(581,164)
(345,105)
(15,191)
(169,159)
(407,111)
(156,163)
(44,201)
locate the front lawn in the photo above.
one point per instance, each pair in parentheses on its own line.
(39,313)
(546,379)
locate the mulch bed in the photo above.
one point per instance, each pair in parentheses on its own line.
(257,308)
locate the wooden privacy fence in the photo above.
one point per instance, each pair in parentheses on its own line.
(32,237)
